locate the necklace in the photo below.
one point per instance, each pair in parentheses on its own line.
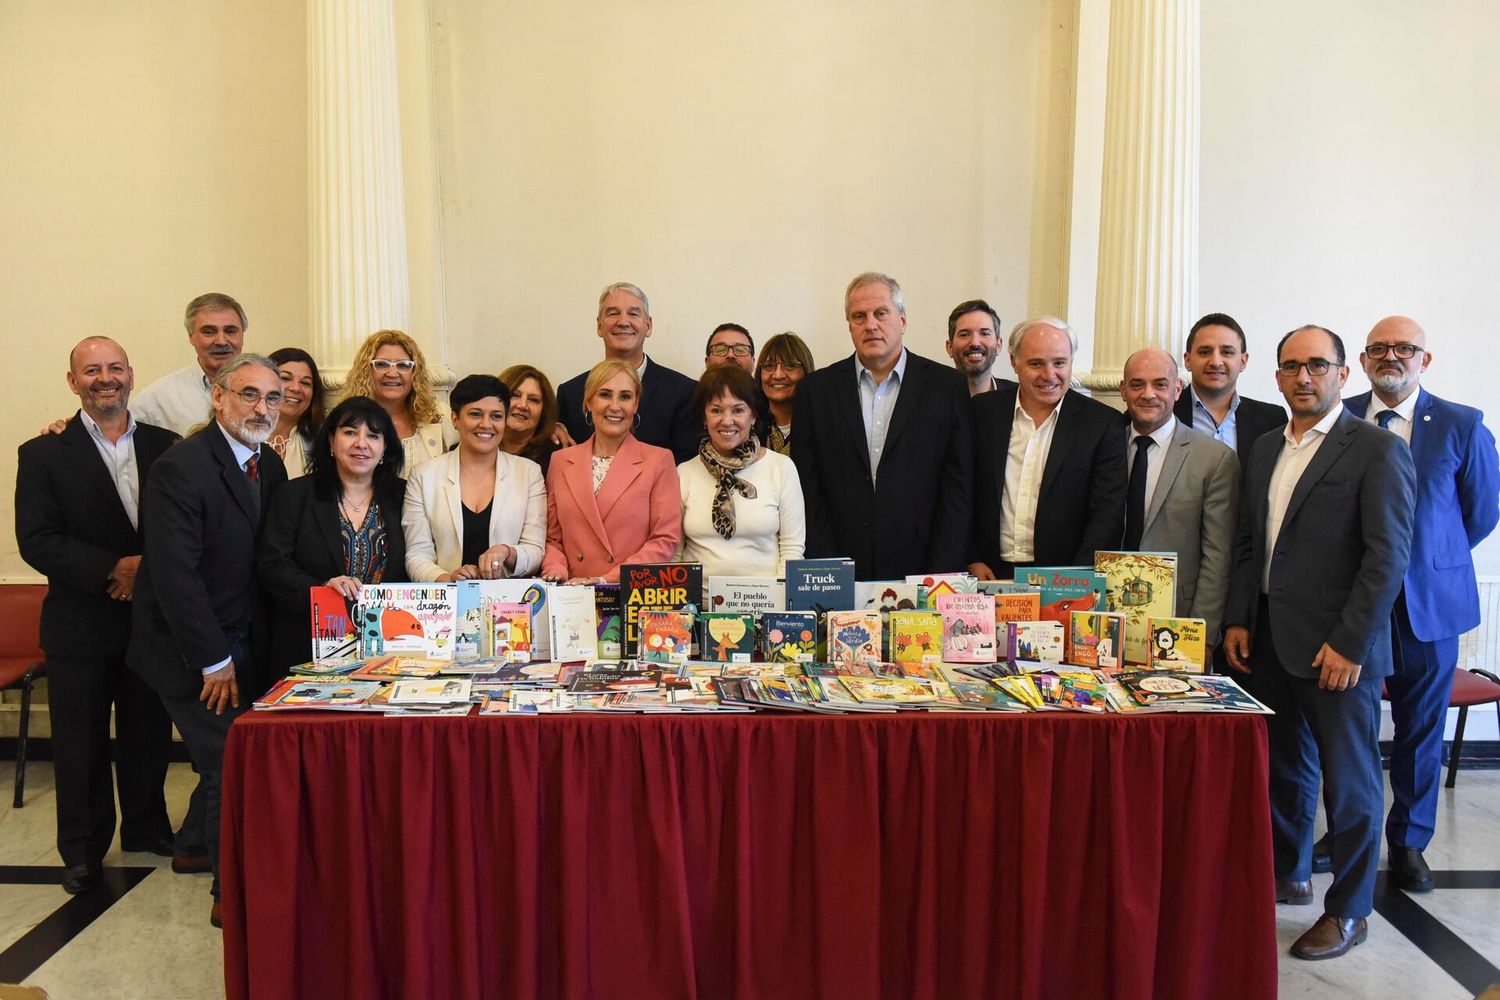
(279,442)
(358,508)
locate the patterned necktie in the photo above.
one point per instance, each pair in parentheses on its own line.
(1384,418)
(1135,497)
(252,468)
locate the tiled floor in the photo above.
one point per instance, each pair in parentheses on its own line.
(155,940)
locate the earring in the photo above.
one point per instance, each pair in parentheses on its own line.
(588,417)
(635,424)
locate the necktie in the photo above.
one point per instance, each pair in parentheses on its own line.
(1135,497)
(1384,418)
(252,468)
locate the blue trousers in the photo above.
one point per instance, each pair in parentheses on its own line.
(1419,692)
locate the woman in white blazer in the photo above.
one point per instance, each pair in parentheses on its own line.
(475,513)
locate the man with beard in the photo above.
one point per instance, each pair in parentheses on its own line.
(77,501)
(1456,509)
(974,343)
(181,401)
(730,344)
(200,621)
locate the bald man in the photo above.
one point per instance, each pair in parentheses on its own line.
(77,522)
(1182,489)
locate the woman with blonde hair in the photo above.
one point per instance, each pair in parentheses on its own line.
(390,369)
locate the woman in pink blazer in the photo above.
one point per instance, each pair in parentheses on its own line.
(611,499)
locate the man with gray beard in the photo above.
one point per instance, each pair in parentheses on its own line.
(200,621)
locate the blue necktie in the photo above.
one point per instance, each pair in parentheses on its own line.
(1384,418)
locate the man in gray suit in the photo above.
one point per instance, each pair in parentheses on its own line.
(1182,494)
(1324,536)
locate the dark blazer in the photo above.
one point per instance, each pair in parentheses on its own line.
(1081,507)
(914,517)
(1343,546)
(72,528)
(302,546)
(1251,420)
(1457,507)
(665,411)
(200,516)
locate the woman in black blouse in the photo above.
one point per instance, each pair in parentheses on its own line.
(339,525)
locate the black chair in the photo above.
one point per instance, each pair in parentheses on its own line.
(1470,687)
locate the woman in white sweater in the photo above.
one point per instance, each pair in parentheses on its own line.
(742,511)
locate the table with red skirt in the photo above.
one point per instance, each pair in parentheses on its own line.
(766,855)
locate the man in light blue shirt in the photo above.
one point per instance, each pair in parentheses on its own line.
(1215,356)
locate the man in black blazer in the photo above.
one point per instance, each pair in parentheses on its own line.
(77,500)
(199,633)
(1323,540)
(884,447)
(1215,355)
(664,418)
(1049,469)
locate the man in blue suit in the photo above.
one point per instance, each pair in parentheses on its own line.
(1458,503)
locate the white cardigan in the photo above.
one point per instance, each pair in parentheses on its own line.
(768,530)
(433,520)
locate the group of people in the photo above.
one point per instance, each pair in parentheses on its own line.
(1328,553)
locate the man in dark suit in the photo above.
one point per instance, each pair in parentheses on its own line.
(199,635)
(1324,536)
(1457,487)
(77,500)
(664,418)
(1049,469)
(884,447)
(1215,356)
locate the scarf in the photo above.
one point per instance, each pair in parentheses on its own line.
(778,442)
(723,469)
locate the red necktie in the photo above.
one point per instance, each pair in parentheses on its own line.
(252,468)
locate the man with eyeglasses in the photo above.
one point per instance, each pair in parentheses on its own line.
(973,344)
(730,344)
(1324,535)
(181,401)
(1456,509)
(1215,357)
(200,619)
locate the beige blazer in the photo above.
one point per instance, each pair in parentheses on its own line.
(432,518)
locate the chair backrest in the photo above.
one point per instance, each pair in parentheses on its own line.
(21,620)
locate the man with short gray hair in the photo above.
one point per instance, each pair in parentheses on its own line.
(181,401)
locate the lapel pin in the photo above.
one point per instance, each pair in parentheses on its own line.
(1426,416)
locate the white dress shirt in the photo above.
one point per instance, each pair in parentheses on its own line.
(1030,445)
(119,461)
(1155,455)
(876,405)
(1406,412)
(179,401)
(768,530)
(1290,464)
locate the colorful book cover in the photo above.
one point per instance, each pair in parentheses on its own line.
(1065,589)
(611,621)
(1081,691)
(820,584)
(727,636)
(789,636)
(666,636)
(1045,641)
(1095,639)
(1164,688)
(915,637)
(385,668)
(1177,643)
(415,618)
(333,634)
(745,594)
(1023,605)
(975,693)
(889,690)
(968,627)
(300,693)
(475,622)
(1139,585)
(931,586)
(656,587)
(431,691)
(575,631)
(885,596)
(510,631)
(1228,696)
(853,636)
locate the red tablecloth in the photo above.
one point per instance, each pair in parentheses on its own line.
(757,856)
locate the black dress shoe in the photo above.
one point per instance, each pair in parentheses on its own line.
(1322,858)
(1330,937)
(1293,893)
(1409,870)
(213,916)
(80,878)
(160,846)
(191,864)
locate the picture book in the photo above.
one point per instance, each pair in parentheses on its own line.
(889,690)
(1065,589)
(975,693)
(885,596)
(1139,585)
(666,636)
(915,637)
(610,621)
(328,667)
(1021,605)
(853,636)
(727,636)
(1039,640)
(476,622)
(386,668)
(820,584)
(294,692)
(575,634)
(745,594)
(789,636)
(1177,643)
(415,618)
(931,586)
(1166,689)
(657,587)
(431,691)
(968,627)
(1228,696)
(333,634)
(510,631)
(605,681)
(1095,638)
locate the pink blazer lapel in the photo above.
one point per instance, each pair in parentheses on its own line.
(578,474)
(623,471)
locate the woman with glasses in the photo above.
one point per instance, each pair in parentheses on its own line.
(784,361)
(390,369)
(532,417)
(301,409)
(476,512)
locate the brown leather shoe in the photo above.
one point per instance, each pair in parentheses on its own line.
(213,916)
(1293,893)
(191,864)
(1330,937)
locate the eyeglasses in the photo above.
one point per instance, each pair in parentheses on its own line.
(1315,367)
(786,366)
(1403,351)
(386,364)
(723,350)
(253,398)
